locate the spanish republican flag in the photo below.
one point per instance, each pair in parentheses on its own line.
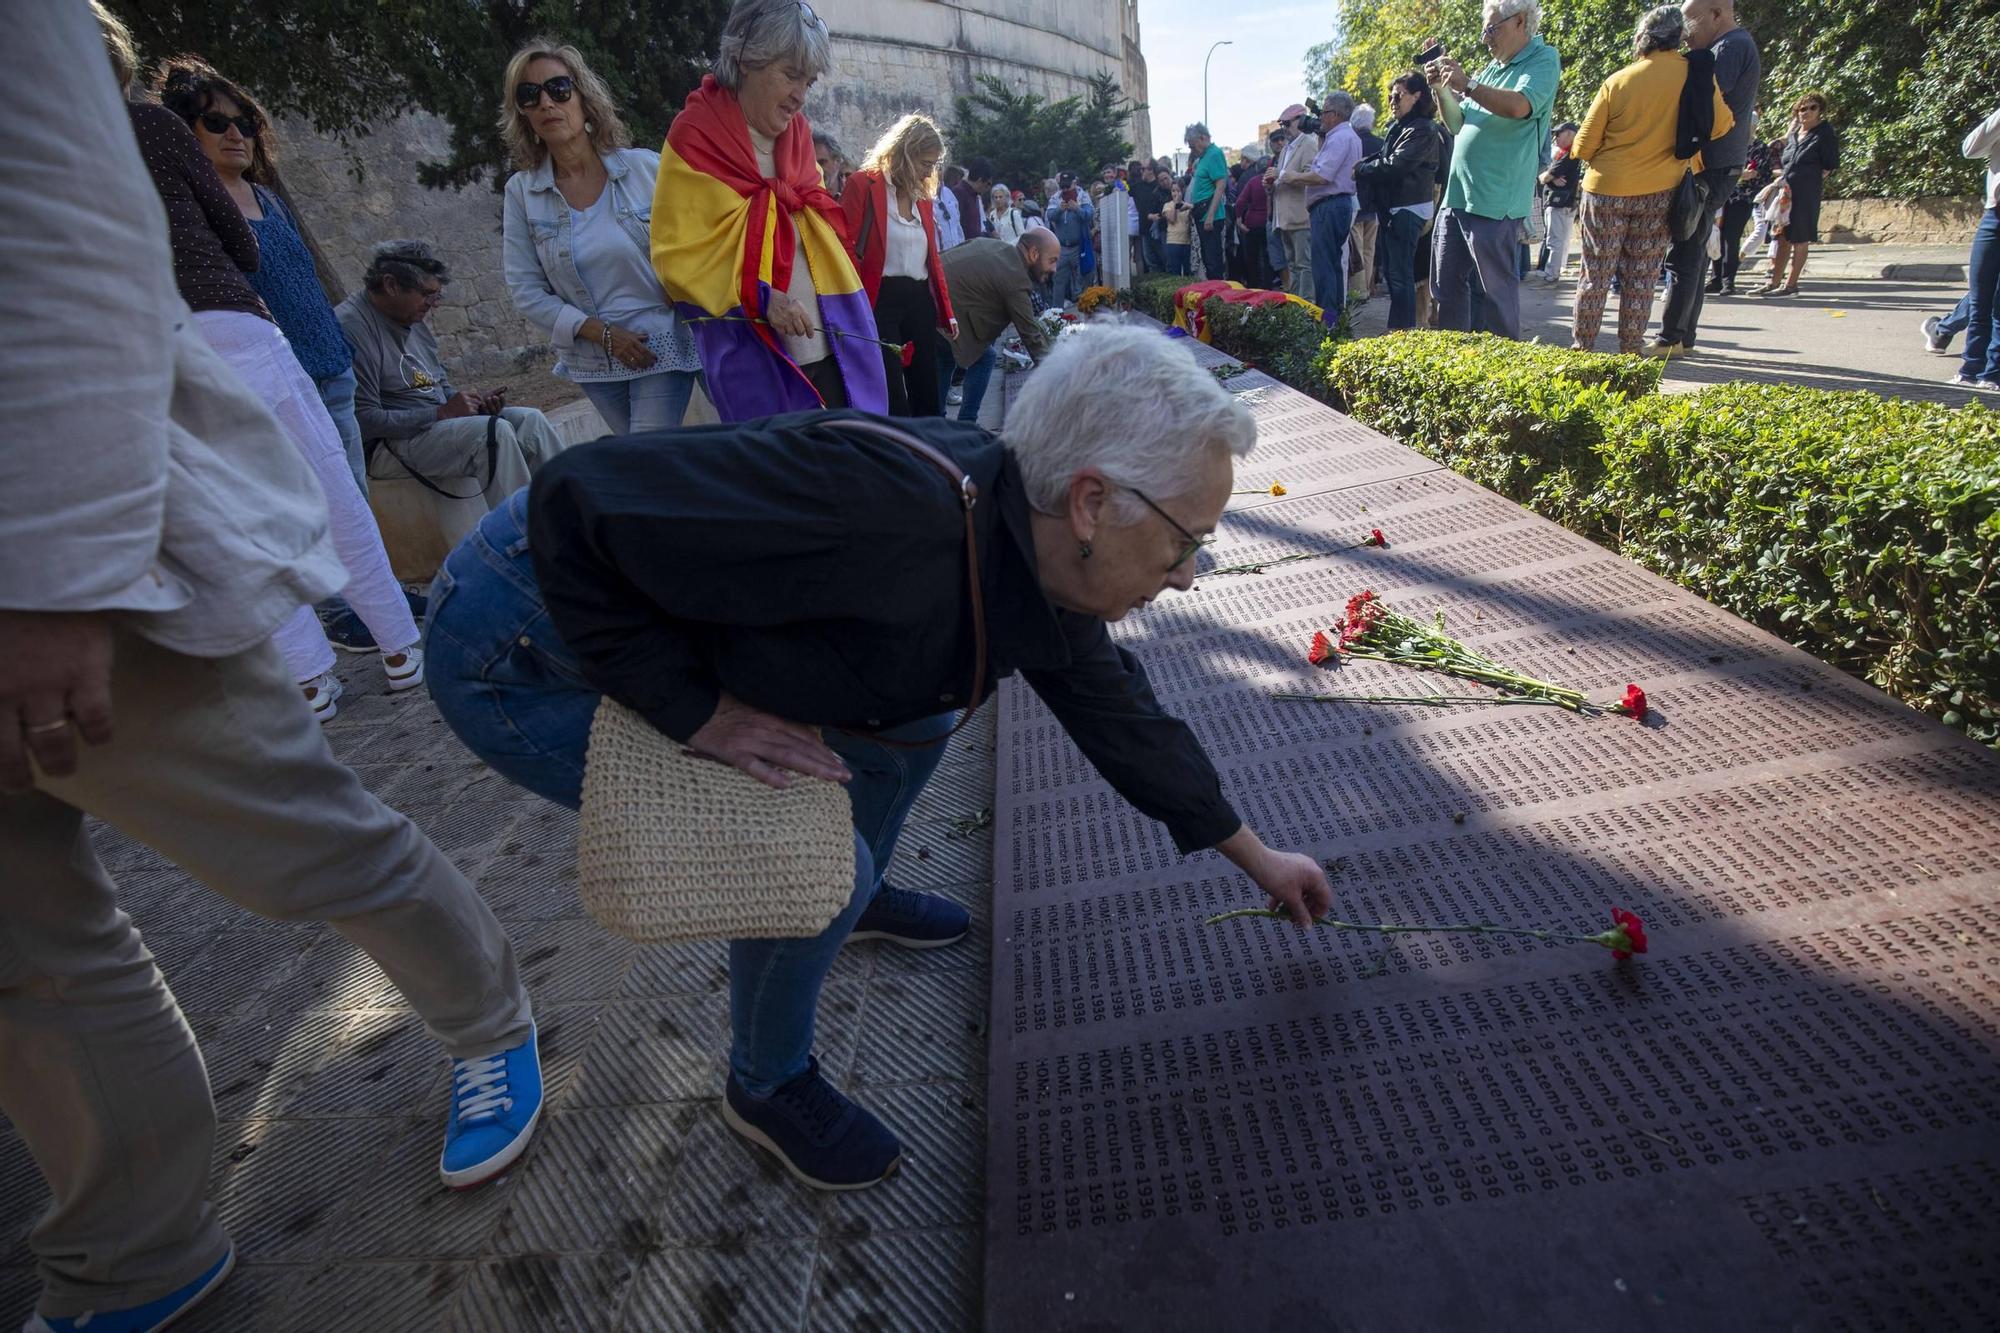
(724,237)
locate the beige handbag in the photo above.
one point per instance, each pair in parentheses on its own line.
(673,846)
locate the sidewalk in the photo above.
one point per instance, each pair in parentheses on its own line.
(1905,263)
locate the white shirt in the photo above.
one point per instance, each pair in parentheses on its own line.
(1984,141)
(1009,225)
(813,346)
(620,277)
(906,250)
(950,226)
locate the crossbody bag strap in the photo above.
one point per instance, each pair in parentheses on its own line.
(492,461)
(968,496)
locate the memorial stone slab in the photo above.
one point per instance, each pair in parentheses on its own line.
(1785,1115)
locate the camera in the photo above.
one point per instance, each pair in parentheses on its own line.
(1429,53)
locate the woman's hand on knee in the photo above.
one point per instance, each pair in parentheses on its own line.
(766,746)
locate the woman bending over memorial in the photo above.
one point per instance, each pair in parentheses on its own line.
(767,580)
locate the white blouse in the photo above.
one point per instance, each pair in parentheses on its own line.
(907,250)
(813,346)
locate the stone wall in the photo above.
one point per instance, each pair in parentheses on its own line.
(892,56)
(1900,221)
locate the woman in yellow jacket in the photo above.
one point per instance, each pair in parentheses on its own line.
(1627,142)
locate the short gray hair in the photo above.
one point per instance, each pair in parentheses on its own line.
(1660,29)
(1363,117)
(1195,131)
(827,144)
(408,262)
(1506,9)
(1340,103)
(1133,404)
(760,32)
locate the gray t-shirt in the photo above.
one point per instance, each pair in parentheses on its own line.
(399,379)
(1738,71)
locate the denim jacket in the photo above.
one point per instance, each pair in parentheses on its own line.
(542,277)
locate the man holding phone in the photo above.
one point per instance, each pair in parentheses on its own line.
(1500,120)
(413,422)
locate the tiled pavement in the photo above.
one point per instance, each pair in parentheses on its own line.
(635,1208)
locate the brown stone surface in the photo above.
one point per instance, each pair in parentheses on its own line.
(1782,1116)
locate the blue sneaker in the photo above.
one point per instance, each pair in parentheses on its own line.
(140,1318)
(345,631)
(495,1102)
(817,1134)
(913,920)
(420,605)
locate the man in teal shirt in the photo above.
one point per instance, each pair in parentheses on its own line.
(1501,120)
(1206,196)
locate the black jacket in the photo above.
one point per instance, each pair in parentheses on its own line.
(1405,172)
(822,578)
(1366,201)
(1565,178)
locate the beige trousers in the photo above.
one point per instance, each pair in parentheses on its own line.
(1299,262)
(452,453)
(1362,238)
(219,766)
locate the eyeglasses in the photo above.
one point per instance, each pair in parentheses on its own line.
(1194,543)
(559,89)
(1490,28)
(217,123)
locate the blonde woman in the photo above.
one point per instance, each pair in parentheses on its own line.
(894,230)
(576,225)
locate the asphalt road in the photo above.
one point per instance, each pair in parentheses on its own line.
(1837,333)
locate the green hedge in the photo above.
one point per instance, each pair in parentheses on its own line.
(1866,530)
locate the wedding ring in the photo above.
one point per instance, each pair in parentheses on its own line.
(45,728)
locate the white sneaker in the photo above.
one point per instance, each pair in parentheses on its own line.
(405,669)
(955,396)
(323,696)
(1935,343)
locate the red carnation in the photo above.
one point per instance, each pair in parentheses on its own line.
(1634,931)
(1633,705)
(1321,649)
(1375,537)
(909,353)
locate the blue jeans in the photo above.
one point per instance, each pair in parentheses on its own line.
(337,392)
(1153,245)
(1961,315)
(1332,218)
(1399,266)
(978,376)
(1274,250)
(1982,329)
(645,402)
(1178,257)
(512,691)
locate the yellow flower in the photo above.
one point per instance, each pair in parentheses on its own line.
(1277,488)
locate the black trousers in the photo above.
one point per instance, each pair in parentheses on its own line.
(906,313)
(824,375)
(1735,217)
(1687,264)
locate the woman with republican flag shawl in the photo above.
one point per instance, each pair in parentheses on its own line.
(746,238)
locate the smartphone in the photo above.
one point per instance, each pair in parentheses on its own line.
(1429,53)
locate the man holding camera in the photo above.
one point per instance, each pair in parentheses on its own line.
(1501,119)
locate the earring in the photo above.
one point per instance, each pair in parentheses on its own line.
(1083,550)
(589,128)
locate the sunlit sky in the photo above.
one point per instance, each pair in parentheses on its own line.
(1249,81)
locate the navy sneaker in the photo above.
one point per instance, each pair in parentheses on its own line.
(913,920)
(140,1318)
(496,1101)
(420,605)
(817,1134)
(345,631)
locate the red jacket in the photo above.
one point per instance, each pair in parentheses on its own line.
(865,200)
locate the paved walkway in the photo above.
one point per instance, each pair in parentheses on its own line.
(634,1208)
(1843,331)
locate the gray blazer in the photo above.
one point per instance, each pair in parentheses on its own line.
(989,291)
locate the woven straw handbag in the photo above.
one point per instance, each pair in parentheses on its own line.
(672,846)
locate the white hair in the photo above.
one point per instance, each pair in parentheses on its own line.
(1506,9)
(1135,405)
(761,32)
(1363,117)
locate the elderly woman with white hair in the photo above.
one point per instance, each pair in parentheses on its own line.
(767,580)
(747,238)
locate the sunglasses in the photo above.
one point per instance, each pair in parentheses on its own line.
(559,89)
(217,123)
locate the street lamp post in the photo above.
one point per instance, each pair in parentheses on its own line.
(1204,83)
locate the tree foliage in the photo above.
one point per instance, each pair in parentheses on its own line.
(1029,139)
(1904,87)
(348,65)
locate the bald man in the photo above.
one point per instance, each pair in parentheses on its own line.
(992,285)
(1711,27)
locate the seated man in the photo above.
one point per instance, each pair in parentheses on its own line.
(992,285)
(413,421)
